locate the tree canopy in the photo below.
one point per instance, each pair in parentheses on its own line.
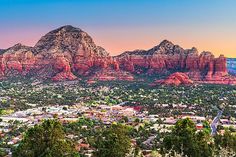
(185,139)
(45,140)
(113,141)
(226,141)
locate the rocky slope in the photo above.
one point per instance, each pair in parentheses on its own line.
(68,53)
(176,79)
(168,58)
(17,60)
(62,54)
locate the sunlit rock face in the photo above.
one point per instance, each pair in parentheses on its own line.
(231,65)
(72,50)
(62,54)
(176,79)
(69,53)
(167,57)
(17,60)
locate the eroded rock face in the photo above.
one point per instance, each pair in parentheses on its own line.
(176,79)
(16,60)
(2,66)
(75,46)
(62,64)
(220,66)
(62,54)
(68,53)
(167,57)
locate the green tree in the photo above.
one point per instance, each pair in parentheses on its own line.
(2,152)
(185,139)
(226,141)
(206,127)
(113,141)
(45,140)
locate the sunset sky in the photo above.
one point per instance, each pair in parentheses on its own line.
(120,25)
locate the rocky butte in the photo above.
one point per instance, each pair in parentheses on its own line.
(176,79)
(68,53)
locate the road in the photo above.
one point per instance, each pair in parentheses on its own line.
(149,140)
(215,122)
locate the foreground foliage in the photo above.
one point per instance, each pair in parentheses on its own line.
(48,140)
(185,139)
(227,141)
(113,141)
(45,140)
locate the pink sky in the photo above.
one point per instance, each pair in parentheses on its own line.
(117,40)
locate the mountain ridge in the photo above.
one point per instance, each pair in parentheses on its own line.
(68,53)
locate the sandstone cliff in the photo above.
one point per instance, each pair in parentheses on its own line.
(68,53)
(176,79)
(167,58)
(62,54)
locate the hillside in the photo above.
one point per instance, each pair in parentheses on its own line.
(69,53)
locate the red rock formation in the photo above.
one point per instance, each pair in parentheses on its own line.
(2,66)
(57,55)
(62,65)
(18,59)
(210,70)
(163,57)
(220,66)
(67,52)
(15,65)
(176,79)
(116,65)
(169,57)
(81,52)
